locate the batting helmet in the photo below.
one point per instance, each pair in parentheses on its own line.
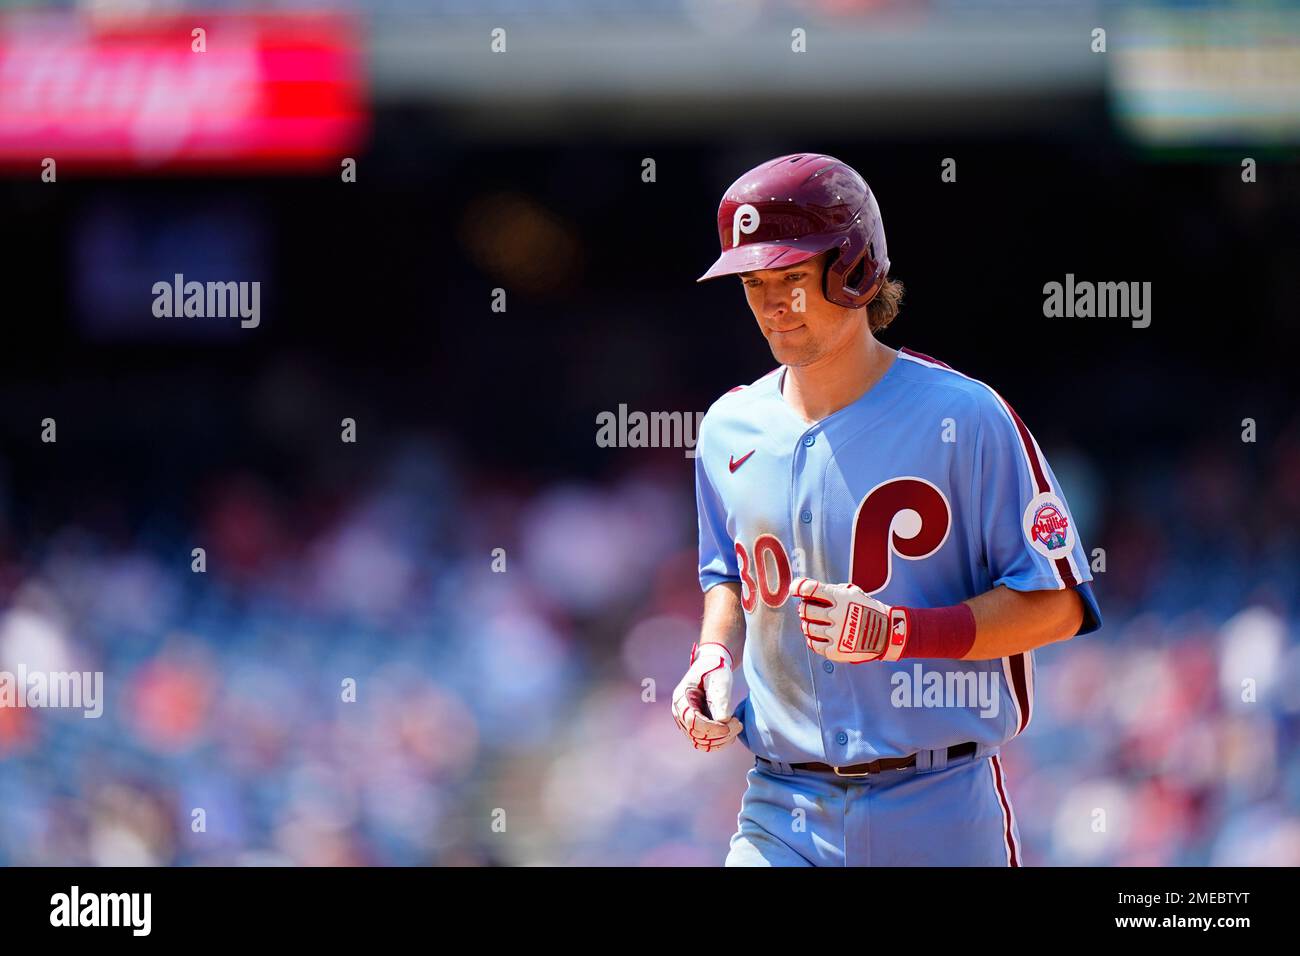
(793,208)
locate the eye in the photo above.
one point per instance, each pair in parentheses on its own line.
(795,276)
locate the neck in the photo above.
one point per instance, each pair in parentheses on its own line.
(838,378)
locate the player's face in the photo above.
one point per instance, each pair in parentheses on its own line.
(800,326)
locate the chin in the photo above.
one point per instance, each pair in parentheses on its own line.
(793,355)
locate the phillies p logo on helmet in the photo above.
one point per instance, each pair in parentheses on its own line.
(799,206)
(745,220)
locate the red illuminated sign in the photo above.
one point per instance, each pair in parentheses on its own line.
(250,91)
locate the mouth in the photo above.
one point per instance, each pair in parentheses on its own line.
(789,331)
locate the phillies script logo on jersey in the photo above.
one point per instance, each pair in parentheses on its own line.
(1050,526)
(1047,526)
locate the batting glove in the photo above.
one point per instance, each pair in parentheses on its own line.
(705,694)
(843,623)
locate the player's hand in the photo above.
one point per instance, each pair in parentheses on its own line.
(843,623)
(702,701)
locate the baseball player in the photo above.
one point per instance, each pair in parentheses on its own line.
(887,540)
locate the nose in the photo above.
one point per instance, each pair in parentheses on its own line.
(775,304)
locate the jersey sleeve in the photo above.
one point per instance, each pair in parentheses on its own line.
(1030,539)
(717,550)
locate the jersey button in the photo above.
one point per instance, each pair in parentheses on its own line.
(805,516)
(841,738)
(828,667)
(809,441)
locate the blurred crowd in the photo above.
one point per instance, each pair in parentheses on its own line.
(445,666)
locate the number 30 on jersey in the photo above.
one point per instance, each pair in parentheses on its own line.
(906,518)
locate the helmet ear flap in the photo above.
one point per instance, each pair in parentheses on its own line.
(843,283)
(849,283)
(831,258)
(855,275)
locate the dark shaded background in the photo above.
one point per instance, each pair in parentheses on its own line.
(369,288)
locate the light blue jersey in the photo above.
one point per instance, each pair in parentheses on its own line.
(926,491)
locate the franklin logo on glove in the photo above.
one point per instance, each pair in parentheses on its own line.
(843,623)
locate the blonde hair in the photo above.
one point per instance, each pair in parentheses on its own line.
(883,309)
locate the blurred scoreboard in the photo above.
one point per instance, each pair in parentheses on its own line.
(1213,74)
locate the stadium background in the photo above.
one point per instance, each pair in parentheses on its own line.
(522,691)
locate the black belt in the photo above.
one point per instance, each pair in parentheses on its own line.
(877,766)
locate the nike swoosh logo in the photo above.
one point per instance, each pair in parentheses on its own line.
(733,464)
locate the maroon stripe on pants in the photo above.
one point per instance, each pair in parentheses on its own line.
(1013,850)
(1020,687)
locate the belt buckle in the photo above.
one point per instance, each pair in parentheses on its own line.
(839,773)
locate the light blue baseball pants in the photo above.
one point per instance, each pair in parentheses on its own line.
(959,815)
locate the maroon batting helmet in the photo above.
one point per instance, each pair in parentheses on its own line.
(793,208)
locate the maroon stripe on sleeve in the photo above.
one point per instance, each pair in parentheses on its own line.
(1063,568)
(1027,441)
(1041,482)
(925,358)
